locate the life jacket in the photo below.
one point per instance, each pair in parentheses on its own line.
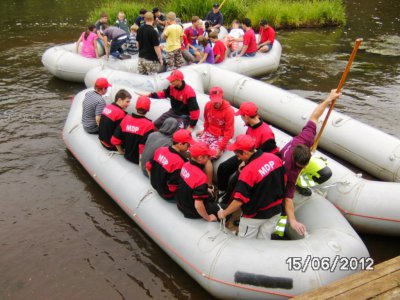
(306,175)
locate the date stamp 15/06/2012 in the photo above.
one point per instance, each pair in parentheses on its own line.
(329,264)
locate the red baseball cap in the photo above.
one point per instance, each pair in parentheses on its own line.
(201,149)
(175,75)
(216,94)
(143,102)
(183,136)
(247,109)
(102,83)
(243,142)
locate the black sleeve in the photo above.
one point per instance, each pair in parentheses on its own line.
(268,146)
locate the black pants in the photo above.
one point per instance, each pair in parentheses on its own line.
(226,170)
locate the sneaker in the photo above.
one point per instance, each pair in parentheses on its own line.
(124,56)
(304,191)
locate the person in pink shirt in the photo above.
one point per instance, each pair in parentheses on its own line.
(267,37)
(249,48)
(89,43)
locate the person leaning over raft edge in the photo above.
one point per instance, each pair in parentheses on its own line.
(296,154)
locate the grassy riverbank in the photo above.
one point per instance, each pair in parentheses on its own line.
(279,13)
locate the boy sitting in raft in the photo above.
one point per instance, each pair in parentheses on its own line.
(165,167)
(131,134)
(192,197)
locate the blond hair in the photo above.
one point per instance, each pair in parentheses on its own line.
(148,17)
(134,27)
(171,16)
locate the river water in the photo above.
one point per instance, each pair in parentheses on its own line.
(61,235)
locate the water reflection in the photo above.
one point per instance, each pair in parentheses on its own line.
(74,240)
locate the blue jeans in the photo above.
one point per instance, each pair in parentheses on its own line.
(115,49)
(249,54)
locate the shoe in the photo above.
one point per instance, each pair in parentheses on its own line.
(304,191)
(124,56)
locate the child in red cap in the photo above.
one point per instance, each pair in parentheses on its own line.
(131,135)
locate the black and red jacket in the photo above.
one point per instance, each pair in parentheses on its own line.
(183,101)
(165,168)
(110,118)
(192,187)
(132,134)
(261,186)
(265,138)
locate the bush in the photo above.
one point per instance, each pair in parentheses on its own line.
(185,9)
(131,10)
(279,13)
(301,13)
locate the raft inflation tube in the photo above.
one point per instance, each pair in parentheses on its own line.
(63,62)
(370,206)
(225,265)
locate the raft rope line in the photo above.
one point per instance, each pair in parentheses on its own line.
(197,270)
(345,211)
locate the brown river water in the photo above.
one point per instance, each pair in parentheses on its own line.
(62,236)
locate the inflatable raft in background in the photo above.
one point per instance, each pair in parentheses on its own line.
(370,206)
(63,62)
(223,264)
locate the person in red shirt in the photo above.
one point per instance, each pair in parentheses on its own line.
(130,136)
(259,191)
(112,116)
(218,122)
(249,48)
(219,48)
(192,197)
(194,31)
(267,37)
(218,127)
(165,167)
(264,140)
(184,106)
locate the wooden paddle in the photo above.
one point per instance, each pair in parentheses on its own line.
(339,88)
(223,2)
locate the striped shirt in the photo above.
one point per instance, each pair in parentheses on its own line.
(93,105)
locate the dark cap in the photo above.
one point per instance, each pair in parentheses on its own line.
(216,5)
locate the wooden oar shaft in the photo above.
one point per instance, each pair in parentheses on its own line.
(339,88)
(223,2)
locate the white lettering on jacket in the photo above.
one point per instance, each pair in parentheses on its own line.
(264,170)
(162,159)
(107,111)
(185,174)
(131,128)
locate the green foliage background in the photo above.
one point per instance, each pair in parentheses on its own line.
(279,13)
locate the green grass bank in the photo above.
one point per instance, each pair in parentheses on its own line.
(279,13)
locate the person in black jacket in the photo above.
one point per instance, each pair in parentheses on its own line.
(165,167)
